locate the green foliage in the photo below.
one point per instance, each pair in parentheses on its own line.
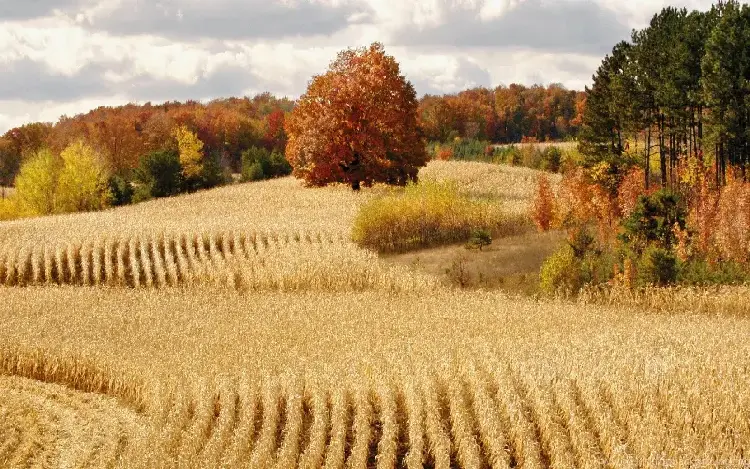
(10,162)
(258,163)
(653,221)
(703,273)
(657,266)
(426,214)
(551,159)
(581,241)
(479,239)
(159,175)
(36,184)
(121,190)
(212,173)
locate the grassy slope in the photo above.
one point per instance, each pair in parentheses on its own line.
(280,378)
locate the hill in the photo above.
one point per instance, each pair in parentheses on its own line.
(251,332)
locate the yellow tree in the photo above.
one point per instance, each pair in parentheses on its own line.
(191,152)
(356,124)
(82,184)
(36,184)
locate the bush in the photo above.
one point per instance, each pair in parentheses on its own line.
(544,209)
(699,272)
(8,209)
(657,266)
(551,159)
(121,191)
(259,163)
(36,184)
(561,272)
(212,173)
(653,220)
(425,214)
(82,181)
(531,157)
(479,239)
(159,175)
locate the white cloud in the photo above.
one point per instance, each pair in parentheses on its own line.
(68,56)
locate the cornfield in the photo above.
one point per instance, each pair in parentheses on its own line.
(261,337)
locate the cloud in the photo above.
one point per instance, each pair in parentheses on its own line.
(23,10)
(227,19)
(438,74)
(33,82)
(559,26)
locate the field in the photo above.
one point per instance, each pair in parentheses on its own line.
(240,327)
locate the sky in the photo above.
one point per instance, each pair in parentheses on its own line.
(64,57)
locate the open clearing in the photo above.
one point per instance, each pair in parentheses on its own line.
(240,328)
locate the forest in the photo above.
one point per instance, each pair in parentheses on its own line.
(130,137)
(678,91)
(661,193)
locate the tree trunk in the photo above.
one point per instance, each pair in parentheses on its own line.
(647,167)
(662,153)
(355,185)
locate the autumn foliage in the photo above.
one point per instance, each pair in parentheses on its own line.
(356,124)
(543,212)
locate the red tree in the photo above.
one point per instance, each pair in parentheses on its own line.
(356,124)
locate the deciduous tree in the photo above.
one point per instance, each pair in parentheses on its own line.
(357,124)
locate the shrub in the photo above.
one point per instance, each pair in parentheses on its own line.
(121,191)
(561,272)
(159,175)
(733,224)
(83,181)
(212,172)
(513,156)
(425,214)
(653,221)
(543,209)
(479,239)
(279,166)
(657,266)
(8,209)
(703,273)
(259,163)
(581,241)
(444,153)
(531,157)
(551,159)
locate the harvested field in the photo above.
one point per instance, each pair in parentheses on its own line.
(240,328)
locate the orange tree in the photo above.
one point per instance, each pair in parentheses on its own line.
(356,124)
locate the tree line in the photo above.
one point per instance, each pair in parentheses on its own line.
(123,135)
(505,114)
(679,92)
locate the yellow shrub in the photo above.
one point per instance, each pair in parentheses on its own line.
(425,214)
(8,209)
(560,272)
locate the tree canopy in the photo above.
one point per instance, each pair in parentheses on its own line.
(356,124)
(681,88)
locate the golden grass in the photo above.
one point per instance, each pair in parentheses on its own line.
(280,344)
(462,379)
(515,186)
(719,300)
(427,214)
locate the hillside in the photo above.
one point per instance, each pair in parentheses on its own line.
(258,335)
